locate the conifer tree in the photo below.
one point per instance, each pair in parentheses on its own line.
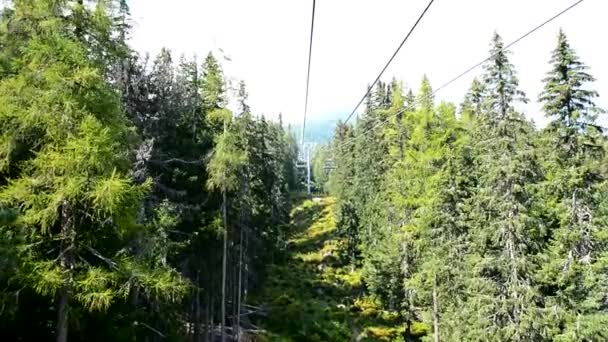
(501,81)
(440,226)
(227,159)
(506,235)
(574,191)
(213,86)
(473,101)
(223,172)
(71,191)
(564,98)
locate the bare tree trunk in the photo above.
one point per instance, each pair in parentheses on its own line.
(62,315)
(435,312)
(223,304)
(66,263)
(245,252)
(212,321)
(246,280)
(206,320)
(238,303)
(233,284)
(197,310)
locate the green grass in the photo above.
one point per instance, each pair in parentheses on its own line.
(314,294)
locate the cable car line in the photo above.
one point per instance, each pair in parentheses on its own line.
(390,59)
(448,83)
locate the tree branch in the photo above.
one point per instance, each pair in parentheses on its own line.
(176,161)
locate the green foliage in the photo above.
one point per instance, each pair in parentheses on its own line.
(480,225)
(227,159)
(66,179)
(213,84)
(46,278)
(314,294)
(500,81)
(95,289)
(321,166)
(126,185)
(564,98)
(574,191)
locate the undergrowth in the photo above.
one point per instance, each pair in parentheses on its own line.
(313,294)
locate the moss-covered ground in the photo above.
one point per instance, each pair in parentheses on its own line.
(313,294)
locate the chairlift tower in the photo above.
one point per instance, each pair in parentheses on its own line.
(304,163)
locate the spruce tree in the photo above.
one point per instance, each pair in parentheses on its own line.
(564,98)
(501,81)
(473,101)
(575,194)
(506,233)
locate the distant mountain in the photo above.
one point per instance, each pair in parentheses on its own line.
(317,132)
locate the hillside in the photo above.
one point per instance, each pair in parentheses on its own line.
(314,294)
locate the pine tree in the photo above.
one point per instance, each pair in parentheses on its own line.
(394,132)
(369,162)
(321,161)
(390,250)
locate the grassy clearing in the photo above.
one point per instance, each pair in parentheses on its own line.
(313,294)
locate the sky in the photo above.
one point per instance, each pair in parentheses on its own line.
(267,44)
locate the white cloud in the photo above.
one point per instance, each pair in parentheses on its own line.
(268,43)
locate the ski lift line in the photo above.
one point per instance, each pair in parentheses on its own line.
(448,83)
(512,43)
(312,27)
(390,60)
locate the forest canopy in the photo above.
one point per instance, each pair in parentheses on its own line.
(135,205)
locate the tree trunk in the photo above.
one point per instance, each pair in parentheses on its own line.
(435,312)
(78,29)
(512,252)
(238,303)
(234,282)
(246,253)
(62,315)
(246,278)
(206,320)
(197,310)
(212,321)
(66,263)
(223,304)
(407,333)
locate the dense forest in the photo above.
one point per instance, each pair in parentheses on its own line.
(470,219)
(135,206)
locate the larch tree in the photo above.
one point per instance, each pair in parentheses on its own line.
(67,164)
(226,161)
